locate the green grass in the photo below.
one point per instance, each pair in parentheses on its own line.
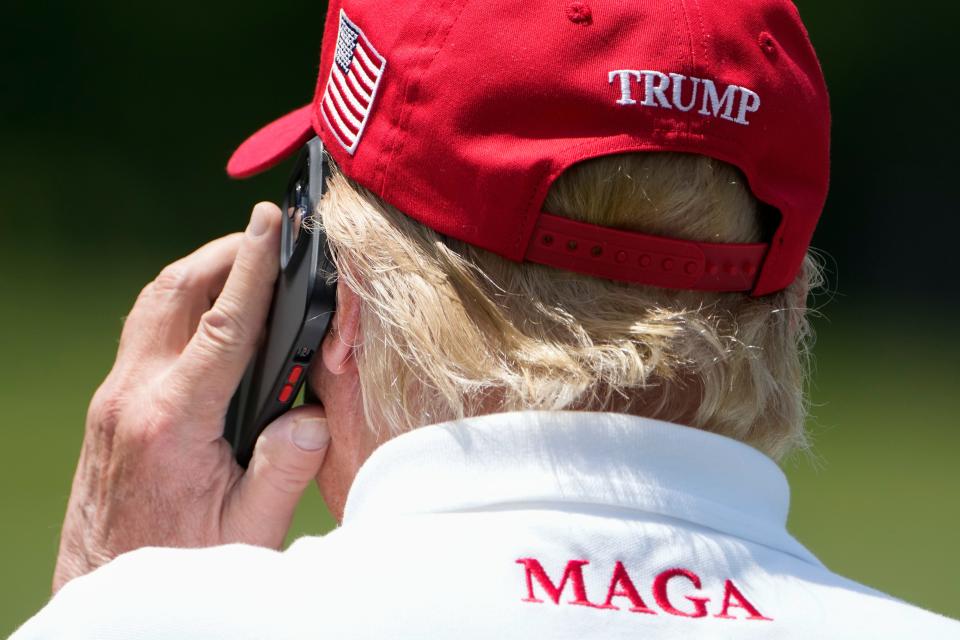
(878,505)
(880,502)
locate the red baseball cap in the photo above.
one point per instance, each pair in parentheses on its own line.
(461,113)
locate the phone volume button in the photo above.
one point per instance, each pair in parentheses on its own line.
(286,392)
(295,374)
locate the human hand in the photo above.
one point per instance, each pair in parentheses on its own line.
(154,469)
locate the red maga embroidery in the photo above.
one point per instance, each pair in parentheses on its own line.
(730,592)
(663,600)
(573,573)
(622,586)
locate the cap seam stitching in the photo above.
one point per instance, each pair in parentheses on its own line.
(688,124)
(383,167)
(397,141)
(704,126)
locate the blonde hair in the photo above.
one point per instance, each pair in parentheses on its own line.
(450,330)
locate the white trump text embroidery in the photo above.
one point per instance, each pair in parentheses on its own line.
(676,91)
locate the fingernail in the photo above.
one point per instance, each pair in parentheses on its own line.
(310,434)
(259,221)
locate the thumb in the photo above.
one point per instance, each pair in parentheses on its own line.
(287,457)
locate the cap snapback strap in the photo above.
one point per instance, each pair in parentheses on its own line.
(645,259)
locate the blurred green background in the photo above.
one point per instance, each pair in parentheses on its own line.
(116,120)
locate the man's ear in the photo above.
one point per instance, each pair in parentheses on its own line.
(344,333)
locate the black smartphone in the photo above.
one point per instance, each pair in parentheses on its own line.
(304,301)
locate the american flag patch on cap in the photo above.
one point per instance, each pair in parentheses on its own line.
(352,84)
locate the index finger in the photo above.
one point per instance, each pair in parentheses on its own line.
(168,309)
(213,362)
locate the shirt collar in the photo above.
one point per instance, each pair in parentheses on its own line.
(568,458)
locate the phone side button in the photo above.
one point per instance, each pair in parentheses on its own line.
(286,392)
(295,374)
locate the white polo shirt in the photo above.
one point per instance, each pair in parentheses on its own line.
(524,525)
